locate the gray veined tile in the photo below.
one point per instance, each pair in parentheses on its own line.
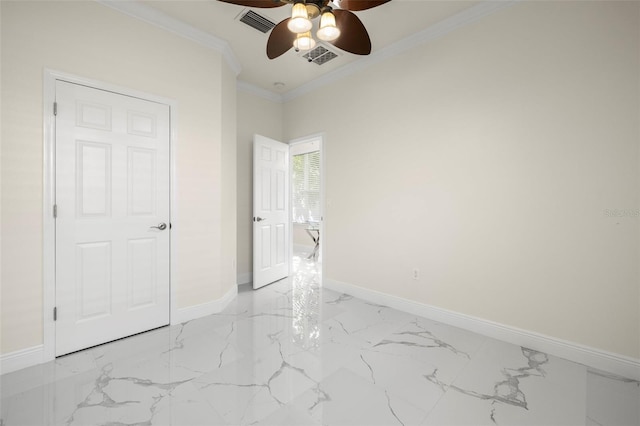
(294,353)
(335,298)
(401,375)
(288,416)
(612,400)
(200,353)
(259,331)
(345,398)
(445,348)
(185,406)
(205,325)
(332,356)
(121,399)
(255,386)
(43,374)
(355,328)
(368,312)
(507,384)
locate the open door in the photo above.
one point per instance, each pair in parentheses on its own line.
(271,222)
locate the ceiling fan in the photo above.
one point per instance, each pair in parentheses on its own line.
(338,24)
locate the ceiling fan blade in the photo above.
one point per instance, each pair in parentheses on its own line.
(256,3)
(359,4)
(354,37)
(280,40)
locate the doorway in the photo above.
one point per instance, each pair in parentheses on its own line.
(307,195)
(108,184)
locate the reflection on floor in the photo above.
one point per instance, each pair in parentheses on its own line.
(294,354)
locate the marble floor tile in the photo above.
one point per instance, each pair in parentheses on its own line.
(612,400)
(401,376)
(288,416)
(39,375)
(511,385)
(293,353)
(345,398)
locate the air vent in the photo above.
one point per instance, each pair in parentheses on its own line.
(256,21)
(320,55)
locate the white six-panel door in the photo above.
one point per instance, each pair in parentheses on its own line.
(270,211)
(112,197)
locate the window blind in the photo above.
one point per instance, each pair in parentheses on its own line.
(306,187)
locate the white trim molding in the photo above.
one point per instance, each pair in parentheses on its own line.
(14,361)
(591,357)
(189,313)
(440,29)
(159,19)
(155,17)
(17,360)
(434,32)
(243,86)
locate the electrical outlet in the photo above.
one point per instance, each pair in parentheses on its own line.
(416,274)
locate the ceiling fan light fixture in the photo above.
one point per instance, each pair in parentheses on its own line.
(304,41)
(299,22)
(328,30)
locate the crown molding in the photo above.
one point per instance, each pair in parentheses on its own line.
(259,91)
(431,33)
(159,19)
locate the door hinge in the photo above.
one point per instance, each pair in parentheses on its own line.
(55,313)
(55,211)
(55,108)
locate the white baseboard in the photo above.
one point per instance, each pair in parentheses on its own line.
(14,361)
(245,278)
(24,358)
(602,360)
(183,315)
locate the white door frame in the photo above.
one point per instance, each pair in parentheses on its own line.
(320,137)
(49,186)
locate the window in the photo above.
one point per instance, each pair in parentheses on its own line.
(306,187)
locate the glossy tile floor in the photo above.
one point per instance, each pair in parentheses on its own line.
(295,354)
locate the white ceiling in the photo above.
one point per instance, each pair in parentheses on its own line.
(387,25)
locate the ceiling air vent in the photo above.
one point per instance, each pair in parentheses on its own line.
(320,55)
(256,21)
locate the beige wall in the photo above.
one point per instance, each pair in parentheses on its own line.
(229,178)
(487,160)
(255,116)
(93,41)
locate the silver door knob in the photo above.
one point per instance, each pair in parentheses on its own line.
(161,226)
(260,219)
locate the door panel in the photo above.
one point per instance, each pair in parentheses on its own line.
(93,169)
(141,268)
(93,279)
(271,211)
(112,186)
(142,179)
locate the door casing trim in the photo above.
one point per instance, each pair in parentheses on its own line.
(48,196)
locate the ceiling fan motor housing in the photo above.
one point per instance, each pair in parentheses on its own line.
(314,7)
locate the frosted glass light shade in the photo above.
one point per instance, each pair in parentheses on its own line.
(299,22)
(304,41)
(328,30)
